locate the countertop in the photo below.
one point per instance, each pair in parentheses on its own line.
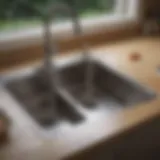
(27,142)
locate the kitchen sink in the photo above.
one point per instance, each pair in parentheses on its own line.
(106,86)
(82,85)
(47,108)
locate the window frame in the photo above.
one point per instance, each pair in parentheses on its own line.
(121,17)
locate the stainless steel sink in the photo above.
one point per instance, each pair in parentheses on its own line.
(33,93)
(108,89)
(108,86)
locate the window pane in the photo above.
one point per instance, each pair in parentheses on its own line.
(15,14)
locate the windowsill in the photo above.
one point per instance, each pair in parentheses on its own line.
(34,36)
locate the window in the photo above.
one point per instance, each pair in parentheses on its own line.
(21,25)
(17,14)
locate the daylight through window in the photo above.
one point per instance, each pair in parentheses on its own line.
(15,14)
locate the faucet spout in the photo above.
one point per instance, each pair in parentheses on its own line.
(51,48)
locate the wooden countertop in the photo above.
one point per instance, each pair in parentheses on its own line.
(28,144)
(145,70)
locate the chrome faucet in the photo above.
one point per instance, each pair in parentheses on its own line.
(51,48)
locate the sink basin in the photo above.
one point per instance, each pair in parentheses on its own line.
(45,107)
(107,86)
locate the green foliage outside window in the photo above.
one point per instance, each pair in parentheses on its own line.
(18,13)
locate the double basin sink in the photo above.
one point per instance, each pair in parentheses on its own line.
(105,87)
